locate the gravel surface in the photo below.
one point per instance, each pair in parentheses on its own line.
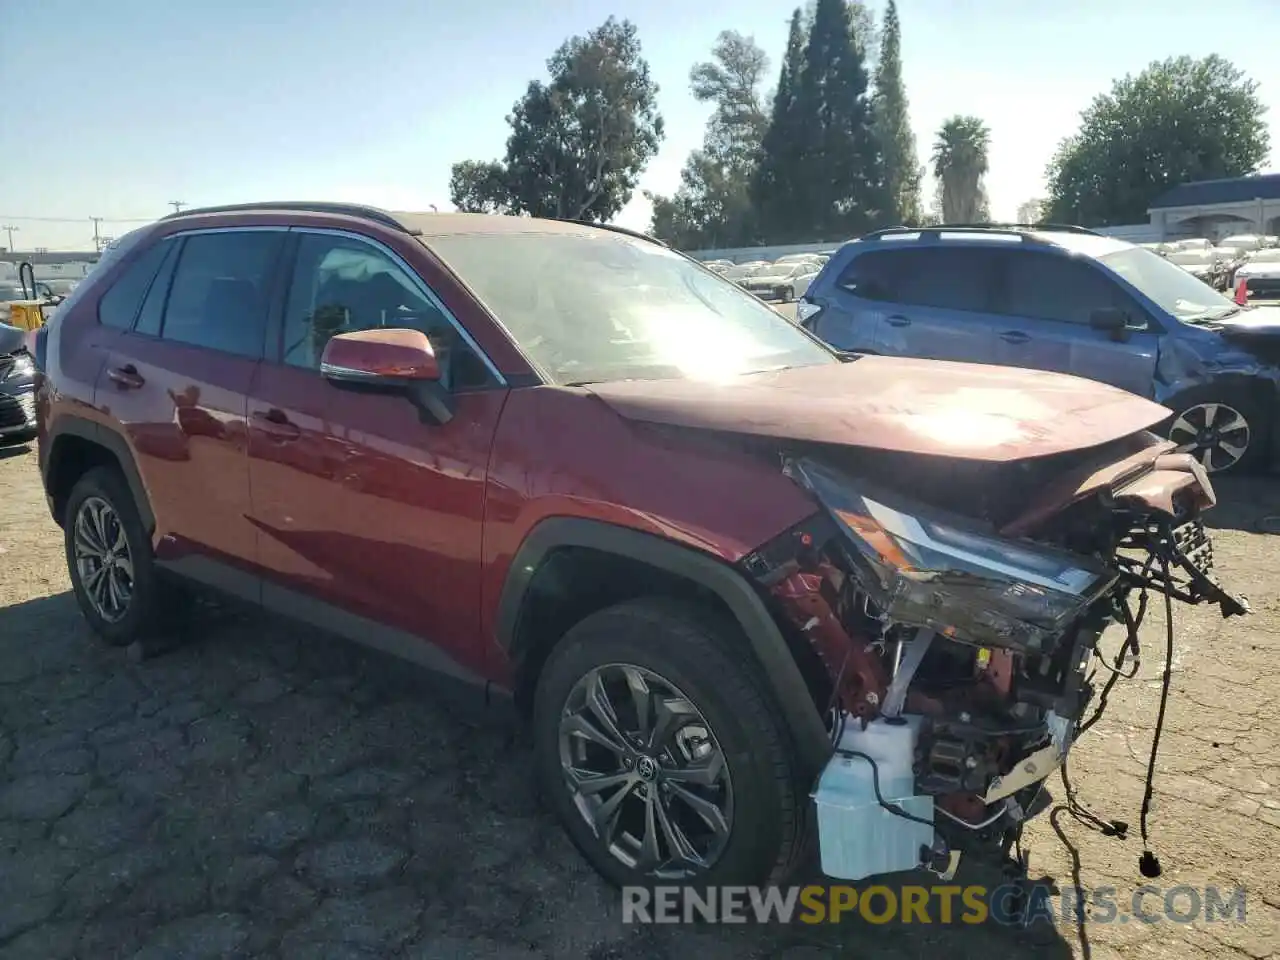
(264,791)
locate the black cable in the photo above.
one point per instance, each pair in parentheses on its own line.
(875,783)
(1133,621)
(1149,863)
(1081,813)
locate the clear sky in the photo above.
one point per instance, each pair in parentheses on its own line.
(116,107)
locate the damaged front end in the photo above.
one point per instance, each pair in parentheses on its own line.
(957,643)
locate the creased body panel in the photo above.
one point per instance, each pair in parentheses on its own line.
(971,411)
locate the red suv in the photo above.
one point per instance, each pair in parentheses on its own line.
(716,564)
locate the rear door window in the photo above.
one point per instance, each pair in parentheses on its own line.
(118,307)
(220,290)
(152,313)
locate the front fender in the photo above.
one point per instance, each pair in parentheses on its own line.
(739,596)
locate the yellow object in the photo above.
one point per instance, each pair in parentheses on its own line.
(26,314)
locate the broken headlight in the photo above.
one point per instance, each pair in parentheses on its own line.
(921,568)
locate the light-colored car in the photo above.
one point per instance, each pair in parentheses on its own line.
(781,281)
(802,258)
(1261,273)
(1211,265)
(741,271)
(1243,242)
(1192,243)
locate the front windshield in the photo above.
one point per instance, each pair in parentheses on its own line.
(591,308)
(1168,285)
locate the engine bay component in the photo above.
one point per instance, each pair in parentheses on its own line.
(958,656)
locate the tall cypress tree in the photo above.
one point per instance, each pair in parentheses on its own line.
(893,128)
(778,191)
(844,171)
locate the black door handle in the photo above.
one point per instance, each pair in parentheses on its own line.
(897,320)
(1014,336)
(126,377)
(275,424)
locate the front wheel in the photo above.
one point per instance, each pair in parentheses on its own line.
(661,752)
(1226,428)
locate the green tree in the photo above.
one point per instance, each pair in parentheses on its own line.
(777,191)
(866,36)
(480,187)
(579,142)
(1031,211)
(712,207)
(1179,120)
(893,127)
(845,169)
(959,165)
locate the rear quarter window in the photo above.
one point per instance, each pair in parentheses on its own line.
(119,306)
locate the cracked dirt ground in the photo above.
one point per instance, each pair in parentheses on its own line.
(264,791)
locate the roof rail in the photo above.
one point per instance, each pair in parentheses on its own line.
(1046,227)
(639,235)
(375,214)
(1020,230)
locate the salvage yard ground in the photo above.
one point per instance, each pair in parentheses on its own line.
(263,791)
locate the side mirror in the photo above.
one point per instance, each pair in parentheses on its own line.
(389,360)
(1110,320)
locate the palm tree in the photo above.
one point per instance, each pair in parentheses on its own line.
(959,164)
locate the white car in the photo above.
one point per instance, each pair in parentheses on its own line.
(741,271)
(1261,273)
(1243,242)
(1194,243)
(781,281)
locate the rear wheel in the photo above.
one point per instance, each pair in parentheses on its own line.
(110,560)
(1225,428)
(661,753)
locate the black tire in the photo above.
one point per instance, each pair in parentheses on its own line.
(1190,408)
(153,600)
(699,654)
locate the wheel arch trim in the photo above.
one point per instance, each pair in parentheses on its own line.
(729,585)
(112,443)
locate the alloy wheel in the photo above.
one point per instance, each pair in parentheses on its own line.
(1216,434)
(646,771)
(104,564)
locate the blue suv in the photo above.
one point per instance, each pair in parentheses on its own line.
(1069,300)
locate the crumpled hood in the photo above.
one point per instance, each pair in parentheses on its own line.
(962,410)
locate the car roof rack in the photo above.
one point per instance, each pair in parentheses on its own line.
(1021,230)
(376,214)
(627,231)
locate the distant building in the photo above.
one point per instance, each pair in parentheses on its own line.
(1218,208)
(52,265)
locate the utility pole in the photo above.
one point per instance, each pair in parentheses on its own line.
(97,239)
(177,205)
(10,228)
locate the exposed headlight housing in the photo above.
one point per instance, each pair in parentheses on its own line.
(950,575)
